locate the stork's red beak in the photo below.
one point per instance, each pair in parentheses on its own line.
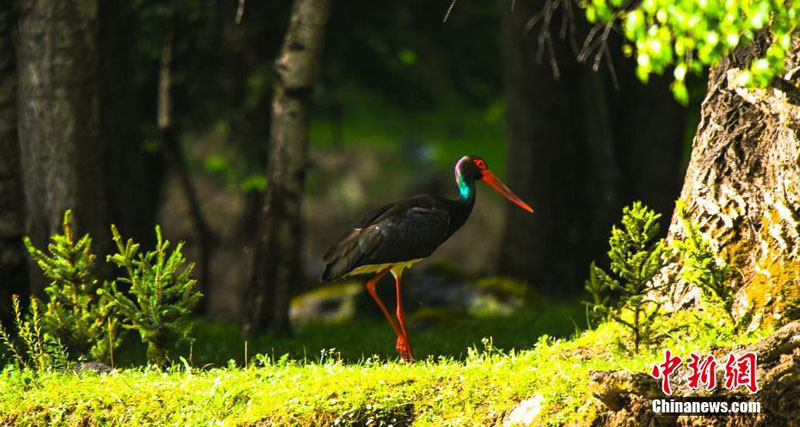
(501,188)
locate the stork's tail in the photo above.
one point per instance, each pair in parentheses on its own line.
(341,257)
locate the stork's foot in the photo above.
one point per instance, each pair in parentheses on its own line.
(404,348)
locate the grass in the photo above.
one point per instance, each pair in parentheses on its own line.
(433,333)
(476,386)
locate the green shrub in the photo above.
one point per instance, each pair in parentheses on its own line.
(39,350)
(636,257)
(701,265)
(597,310)
(77,311)
(162,290)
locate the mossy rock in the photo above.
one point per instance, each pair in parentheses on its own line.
(430,317)
(510,286)
(333,303)
(446,270)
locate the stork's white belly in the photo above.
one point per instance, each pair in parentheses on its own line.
(396,268)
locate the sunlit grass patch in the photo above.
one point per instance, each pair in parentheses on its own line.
(325,389)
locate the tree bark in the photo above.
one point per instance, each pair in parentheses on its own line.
(544,154)
(58,120)
(134,175)
(742,186)
(577,150)
(277,263)
(13,268)
(174,156)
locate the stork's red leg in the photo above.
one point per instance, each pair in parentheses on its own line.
(371,290)
(403,343)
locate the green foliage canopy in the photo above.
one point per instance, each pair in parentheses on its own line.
(691,34)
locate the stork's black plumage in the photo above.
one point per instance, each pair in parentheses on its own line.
(394,236)
(403,231)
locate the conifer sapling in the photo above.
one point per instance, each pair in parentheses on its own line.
(162,293)
(636,257)
(78,311)
(701,265)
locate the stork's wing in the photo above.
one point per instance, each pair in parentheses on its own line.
(403,231)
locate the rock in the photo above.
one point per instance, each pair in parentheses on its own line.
(93,366)
(626,395)
(439,287)
(614,388)
(325,304)
(497,296)
(433,288)
(427,318)
(525,412)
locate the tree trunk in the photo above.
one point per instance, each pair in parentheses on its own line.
(545,162)
(577,150)
(742,186)
(58,120)
(134,175)
(174,157)
(13,268)
(277,260)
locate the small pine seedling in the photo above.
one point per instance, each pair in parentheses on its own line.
(162,290)
(636,257)
(597,310)
(701,265)
(78,311)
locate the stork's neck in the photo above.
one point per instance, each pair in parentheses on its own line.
(466,186)
(461,207)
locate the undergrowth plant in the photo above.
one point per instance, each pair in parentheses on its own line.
(636,257)
(162,292)
(34,348)
(701,265)
(598,284)
(77,311)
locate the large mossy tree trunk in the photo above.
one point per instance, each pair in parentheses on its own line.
(578,150)
(13,268)
(743,185)
(277,262)
(59,128)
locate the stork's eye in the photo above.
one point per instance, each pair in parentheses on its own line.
(480,164)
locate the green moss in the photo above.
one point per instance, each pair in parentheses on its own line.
(769,276)
(344,289)
(774,291)
(444,316)
(446,270)
(505,285)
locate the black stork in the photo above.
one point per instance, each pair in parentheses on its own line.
(393,237)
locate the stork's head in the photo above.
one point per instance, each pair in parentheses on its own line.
(473,168)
